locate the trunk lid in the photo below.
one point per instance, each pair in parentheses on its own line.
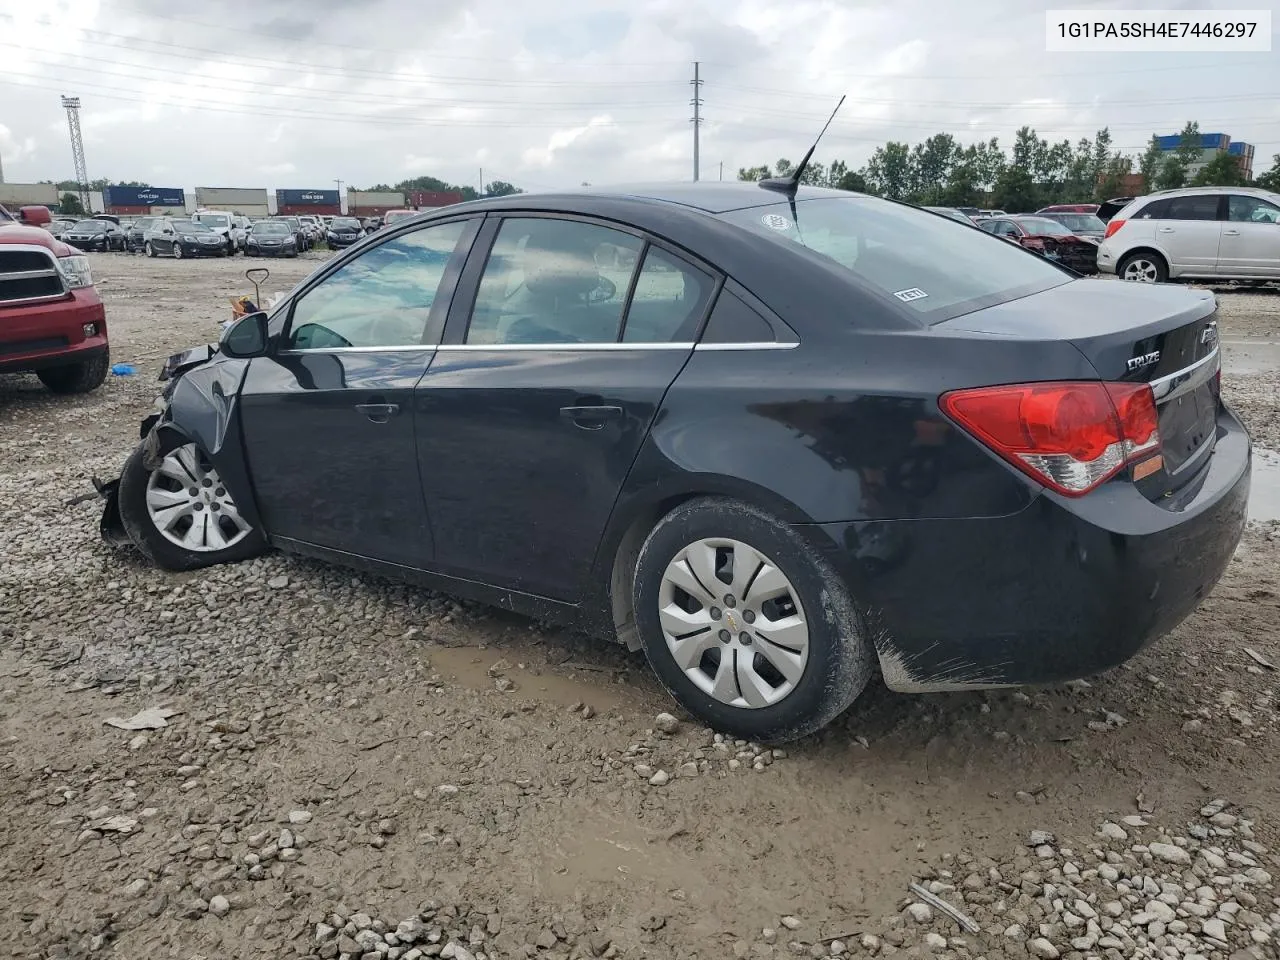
(1131,332)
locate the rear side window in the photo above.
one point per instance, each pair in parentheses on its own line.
(1198,207)
(732,321)
(930,266)
(669,301)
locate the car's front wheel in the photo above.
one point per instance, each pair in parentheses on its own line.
(177,251)
(76,377)
(180,514)
(746,624)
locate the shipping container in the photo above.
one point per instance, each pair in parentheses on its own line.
(376,210)
(388,199)
(121,211)
(316,209)
(145,197)
(315,198)
(234,199)
(249,209)
(29,194)
(424,199)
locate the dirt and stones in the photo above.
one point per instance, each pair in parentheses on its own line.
(349,757)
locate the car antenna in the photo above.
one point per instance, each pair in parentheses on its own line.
(789,184)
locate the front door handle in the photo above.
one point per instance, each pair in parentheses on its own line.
(592,417)
(1166,230)
(1231,233)
(379,412)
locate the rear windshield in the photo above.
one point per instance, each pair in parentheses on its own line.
(1081,222)
(1043,227)
(934,267)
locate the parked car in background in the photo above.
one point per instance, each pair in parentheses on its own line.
(51,319)
(1048,238)
(1068,208)
(953,212)
(1196,233)
(370,224)
(315,232)
(1023,476)
(109,217)
(60,225)
(343,232)
(222,223)
(270,238)
(1085,225)
(178,238)
(95,235)
(300,233)
(391,216)
(135,236)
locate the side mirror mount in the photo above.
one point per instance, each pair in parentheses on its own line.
(246,338)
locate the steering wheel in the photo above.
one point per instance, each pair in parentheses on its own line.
(607,287)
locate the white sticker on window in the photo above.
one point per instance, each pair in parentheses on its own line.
(906,296)
(775,221)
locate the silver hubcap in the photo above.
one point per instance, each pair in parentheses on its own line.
(1144,271)
(733,623)
(189,505)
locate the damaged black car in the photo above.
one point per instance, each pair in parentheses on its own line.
(778,437)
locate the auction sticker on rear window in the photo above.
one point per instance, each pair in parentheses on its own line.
(906,296)
(776,221)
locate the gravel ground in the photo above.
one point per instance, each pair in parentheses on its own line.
(349,767)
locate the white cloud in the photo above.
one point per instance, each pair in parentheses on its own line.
(299,92)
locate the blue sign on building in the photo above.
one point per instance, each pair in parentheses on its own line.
(144,197)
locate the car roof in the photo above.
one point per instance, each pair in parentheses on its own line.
(711,197)
(1193,191)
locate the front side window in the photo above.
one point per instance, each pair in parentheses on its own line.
(1194,207)
(386,297)
(554,281)
(930,266)
(1241,209)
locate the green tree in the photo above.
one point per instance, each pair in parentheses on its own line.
(989,162)
(762,172)
(1111,183)
(931,166)
(1271,179)
(1189,148)
(854,180)
(500,188)
(1172,172)
(1222,171)
(1149,165)
(890,170)
(70,203)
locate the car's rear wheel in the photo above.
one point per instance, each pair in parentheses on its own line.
(181,515)
(746,624)
(1143,267)
(149,249)
(76,377)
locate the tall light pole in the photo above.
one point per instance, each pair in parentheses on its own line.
(697,115)
(339,183)
(72,105)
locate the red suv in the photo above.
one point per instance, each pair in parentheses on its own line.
(51,320)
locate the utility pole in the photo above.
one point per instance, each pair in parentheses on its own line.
(721,169)
(481,192)
(72,105)
(339,183)
(697,115)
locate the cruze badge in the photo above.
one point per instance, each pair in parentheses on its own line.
(1137,363)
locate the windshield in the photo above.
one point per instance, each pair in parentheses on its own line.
(935,267)
(90,226)
(273,229)
(212,219)
(293,224)
(344,223)
(142,223)
(190,226)
(1043,227)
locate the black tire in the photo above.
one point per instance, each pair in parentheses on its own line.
(177,251)
(142,530)
(76,377)
(841,658)
(148,249)
(1160,268)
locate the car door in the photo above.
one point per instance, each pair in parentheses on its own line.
(1250,244)
(163,236)
(561,345)
(1190,232)
(328,417)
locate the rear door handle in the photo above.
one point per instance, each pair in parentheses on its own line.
(1231,233)
(591,418)
(1167,230)
(379,412)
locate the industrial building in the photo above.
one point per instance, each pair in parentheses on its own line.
(249,202)
(319,202)
(1212,144)
(144,200)
(367,203)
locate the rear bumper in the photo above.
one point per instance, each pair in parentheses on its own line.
(52,334)
(1060,590)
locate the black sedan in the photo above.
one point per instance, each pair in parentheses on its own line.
(182,238)
(90,235)
(135,235)
(773,440)
(343,232)
(270,238)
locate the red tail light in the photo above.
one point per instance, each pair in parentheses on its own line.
(1112,227)
(1070,436)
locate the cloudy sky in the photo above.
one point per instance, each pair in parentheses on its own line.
(297,93)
